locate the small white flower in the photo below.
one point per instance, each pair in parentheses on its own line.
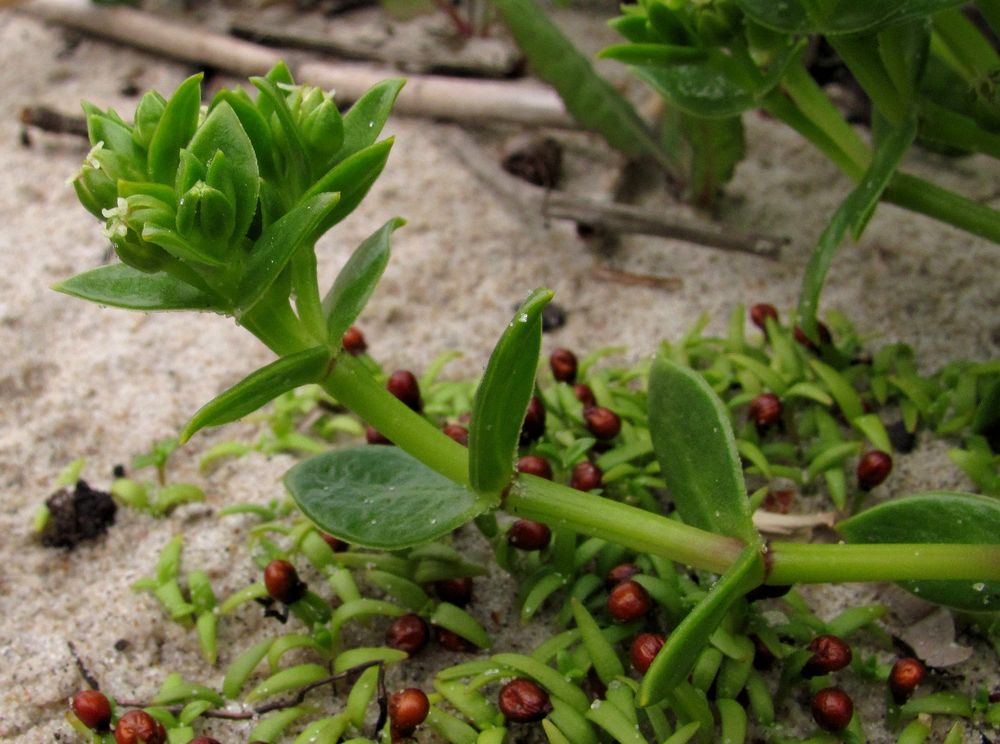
(116,217)
(90,161)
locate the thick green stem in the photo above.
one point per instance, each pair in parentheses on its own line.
(924,197)
(814,564)
(273,322)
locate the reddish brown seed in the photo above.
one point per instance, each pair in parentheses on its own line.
(873,468)
(458,591)
(763,657)
(354,341)
(204,740)
(822,331)
(644,649)
(628,601)
(457,432)
(407,709)
(765,410)
(602,422)
(403,384)
(523,701)
(621,572)
(93,709)
(452,641)
(906,675)
(525,534)
(830,654)
(282,582)
(374,436)
(779,502)
(138,727)
(535,465)
(761,312)
(585,395)
(534,421)
(832,709)
(586,476)
(407,633)
(563,364)
(336,544)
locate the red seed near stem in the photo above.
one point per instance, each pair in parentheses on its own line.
(403,384)
(407,633)
(779,501)
(830,654)
(457,432)
(906,675)
(602,422)
(761,312)
(138,727)
(534,421)
(765,410)
(374,436)
(204,740)
(621,572)
(873,468)
(628,601)
(354,341)
(585,395)
(822,331)
(563,364)
(452,641)
(523,701)
(282,582)
(644,649)
(535,465)
(832,709)
(586,476)
(458,591)
(93,709)
(407,709)
(526,534)
(336,544)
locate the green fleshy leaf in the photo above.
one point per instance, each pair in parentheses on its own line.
(503,396)
(223,131)
(294,150)
(352,178)
(363,122)
(176,128)
(844,17)
(122,286)
(287,679)
(379,497)
(356,281)
(260,388)
(276,246)
(694,443)
(936,517)
(675,660)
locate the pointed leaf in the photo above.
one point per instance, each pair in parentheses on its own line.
(276,246)
(846,16)
(936,517)
(363,122)
(352,179)
(176,127)
(260,388)
(696,449)
(356,281)
(675,660)
(294,149)
(503,395)
(122,286)
(379,497)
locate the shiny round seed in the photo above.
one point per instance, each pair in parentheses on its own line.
(602,422)
(830,654)
(825,338)
(452,641)
(407,633)
(585,395)
(457,432)
(628,601)
(523,701)
(621,572)
(644,649)
(873,468)
(526,534)
(832,709)
(204,740)
(354,342)
(534,421)
(765,410)
(563,364)
(586,476)
(282,582)
(761,312)
(138,727)
(407,709)
(906,675)
(374,436)
(93,709)
(535,465)
(403,384)
(458,590)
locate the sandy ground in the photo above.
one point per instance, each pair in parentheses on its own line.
(81,381)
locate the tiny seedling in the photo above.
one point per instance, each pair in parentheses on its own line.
(219,209)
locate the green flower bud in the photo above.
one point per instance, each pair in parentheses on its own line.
(718,22)
(94,187)
(147,118)
(130,247)
(220,175)
(206,216)
(323,130)
(190,170)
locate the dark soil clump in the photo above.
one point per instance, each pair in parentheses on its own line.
(77,515)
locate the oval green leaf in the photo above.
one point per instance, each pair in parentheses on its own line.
(379,497)
(503,396)
(176,127)
(356,281)
(122,286)
(936,517)
(260,388)
(694,444)
(365,118)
